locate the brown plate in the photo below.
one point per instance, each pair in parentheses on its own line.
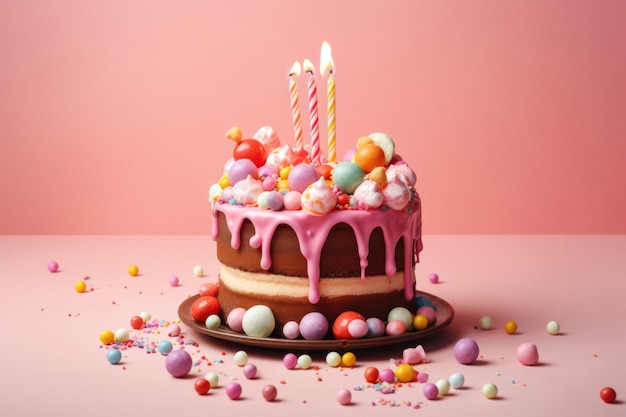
(445,314)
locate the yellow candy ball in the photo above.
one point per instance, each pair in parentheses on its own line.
(405,373)
(420,322)
(107,337)
(133,270)
(80,286)
(510,327)
(348,359)
(284,172)
(224,182)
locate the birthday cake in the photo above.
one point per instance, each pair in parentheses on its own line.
(299,237)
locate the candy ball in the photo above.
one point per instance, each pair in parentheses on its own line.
(405,373)
(269,392)
(420,322)
(107,337)
(136,322)
(202,386)
(80,286)
(174,281)
(203,307)
(395,328)
(358,328)
(344,396)
(53,266)
(608,394)
(258,321)
(291,330)
(422,377)
(249,371)
(304,361)
(209,288)
(198,270)
(375,327)
(457,380)
(371,374)
(333,359)
(348,359)
(443,385)
(347,176)
(290,361)
(240,358)
(429,312)
(510,327)
(122,335)
(422,300)
(145,316)
(234,320)
(133,270)
(485,323)
(553,327)
(466,351)
(164,347)
(240,169)
(527,354)
(430,391)
(341,323)
(213,322)
(387,375)
(252,150)
(114,356)
(401,313)
(292,200)
(490,390)
(213,378)
(313,326)
(233,390)
(178,363)
(434,278)
(275,200)
(301,176)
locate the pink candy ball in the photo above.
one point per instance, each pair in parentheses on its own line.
(53,266)
(430,391)
(395,328)
(301,176)
(233,390)
(387,375)
(434,278)
(527,354)
(291,330)
(249,370)
(344,396)
(235,319)
(269,392)
(174,281)
(466,351)
(358,328)
(292,200)
(427,312)
(290,360)
(178,363)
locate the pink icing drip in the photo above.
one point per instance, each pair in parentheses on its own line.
(312,232)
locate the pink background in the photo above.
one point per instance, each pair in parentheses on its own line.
(112,114)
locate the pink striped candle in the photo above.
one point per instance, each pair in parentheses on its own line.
(295,106)
(313,119)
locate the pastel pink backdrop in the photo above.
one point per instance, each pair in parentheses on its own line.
(113,113)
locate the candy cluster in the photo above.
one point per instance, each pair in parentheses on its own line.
(267,174)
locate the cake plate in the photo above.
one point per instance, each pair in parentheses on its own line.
(445,314)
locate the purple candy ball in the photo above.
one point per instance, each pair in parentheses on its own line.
(301,176)
(430,391)
(178,363)
(466,351)
(291,330)
(249,370)
(375,327)
(240,169)
(387,375)
(313,326)
(275,200)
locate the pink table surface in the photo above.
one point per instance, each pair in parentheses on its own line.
(53,362)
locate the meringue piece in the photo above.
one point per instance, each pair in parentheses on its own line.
(319,198)
(369,194)
(397,194)
(402,170)
(247,191)
(268,137)
(281,157)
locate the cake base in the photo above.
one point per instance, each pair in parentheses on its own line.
(445,314)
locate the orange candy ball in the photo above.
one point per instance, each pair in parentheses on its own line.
(369,156)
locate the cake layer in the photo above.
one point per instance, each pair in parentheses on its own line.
(287,297)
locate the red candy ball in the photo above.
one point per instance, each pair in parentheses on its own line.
(250,149)
(136,322)
(203,307)
(340,326)
(202,386)
(209,288)
(608,394)
(371,374)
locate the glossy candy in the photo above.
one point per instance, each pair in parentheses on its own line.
(178,363)
(213,322)
(107,337)
(202,386)
(53,266)
(122,335)
(209,288)
(198,270)
(291,330)
(375,327)
(240,358)
(301,176)
(430,391)
(333,359)
(304,361)
(80,286)
(136,322)
(290,361)
(510,327)
(608,395)
(457,380)
(405,373)
(348,359)
(443,385)
(371,374)
(249,370)
(357,328)
(114,356)
(269,392)
(403,314)
(341,323)
(387,375)
(347,176)
(213,378)
(252,150)
(233,390)
(203,307)
(240,170)
(313,326)
(466,351)
(420,322)
(164,347)
(553,327)
(434,278)
(234,320)
(174,281)
(428,312)
(133,270)
(395,328)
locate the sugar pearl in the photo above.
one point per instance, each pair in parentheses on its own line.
(553,327)
(198,270)
(233,390)
(174,281)
(304,361)
(457,380)
(213,378)
(490,390)
(333,359)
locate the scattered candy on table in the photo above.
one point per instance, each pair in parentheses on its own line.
(133,270)
(202,386)
(290,361)
(198,271)
(213,378)
(178,363)
(466,351)
(344,396)
(527,354)
(434,278)
(553,327)
(405,372)
(80,286)
(333,359)
(510,327)
(249,370)
(443,385)
(240,358)
(304,361)
(490,390)
(456,380)
(114,356)
(234,390)
(348,359)
(485,323)
(107,337)
(174,281)
(269,392)
(53,266)
(430,391)
(608,394)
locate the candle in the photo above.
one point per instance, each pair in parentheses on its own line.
(327,65)
(313,119)
(295,106)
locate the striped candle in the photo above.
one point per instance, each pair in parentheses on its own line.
(295,106)
(327,65)
(313,116)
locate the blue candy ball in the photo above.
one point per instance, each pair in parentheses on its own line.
(165,347)
(114,356)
